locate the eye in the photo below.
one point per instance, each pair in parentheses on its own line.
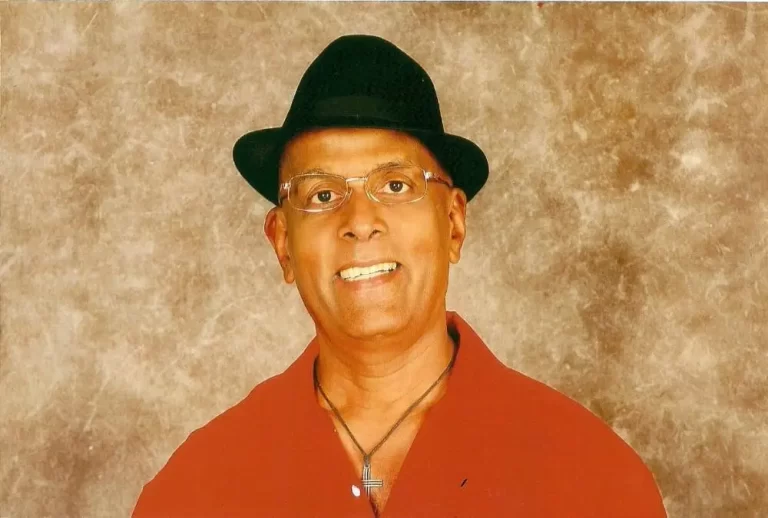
(324,196)
(397,186)
(395,180)
(318,191)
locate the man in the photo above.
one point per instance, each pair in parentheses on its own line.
(396,407)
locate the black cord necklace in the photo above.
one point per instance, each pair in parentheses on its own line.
(367,479)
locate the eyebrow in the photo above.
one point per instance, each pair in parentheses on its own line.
(391,163)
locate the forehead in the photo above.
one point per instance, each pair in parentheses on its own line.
(349,151)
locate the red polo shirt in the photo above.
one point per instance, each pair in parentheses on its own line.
(496,444)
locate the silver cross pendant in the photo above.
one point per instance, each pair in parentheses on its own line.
(368,481)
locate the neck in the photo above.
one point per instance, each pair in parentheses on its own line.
(387,376)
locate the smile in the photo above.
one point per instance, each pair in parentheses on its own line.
(359,274)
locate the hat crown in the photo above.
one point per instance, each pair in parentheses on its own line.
(365,80)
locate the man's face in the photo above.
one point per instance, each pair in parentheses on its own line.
(423,237)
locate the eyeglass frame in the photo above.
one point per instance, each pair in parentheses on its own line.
(428,176)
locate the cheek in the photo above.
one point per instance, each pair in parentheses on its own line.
(310,253)
(426,242)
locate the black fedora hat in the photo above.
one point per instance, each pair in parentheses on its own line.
(362,82)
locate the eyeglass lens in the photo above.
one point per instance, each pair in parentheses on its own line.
(389,185)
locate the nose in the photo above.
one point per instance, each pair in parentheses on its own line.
(360,216)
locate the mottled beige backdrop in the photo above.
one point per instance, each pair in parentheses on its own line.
(618,252)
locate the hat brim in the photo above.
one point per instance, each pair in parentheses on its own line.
(257,157)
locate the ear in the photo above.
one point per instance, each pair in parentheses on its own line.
(457,214)
(276,230)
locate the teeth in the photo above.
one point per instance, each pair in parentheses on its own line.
(367,272)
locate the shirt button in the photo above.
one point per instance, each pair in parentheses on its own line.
(355,490)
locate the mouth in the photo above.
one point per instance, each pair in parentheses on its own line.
(362,273)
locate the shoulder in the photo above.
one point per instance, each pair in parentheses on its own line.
(251,417)
(571,450)
(230,443)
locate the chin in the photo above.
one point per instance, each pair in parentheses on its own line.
(372,323)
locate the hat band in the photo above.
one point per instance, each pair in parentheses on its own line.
(363,109)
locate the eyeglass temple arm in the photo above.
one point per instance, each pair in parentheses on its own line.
(280,189)
(429,175)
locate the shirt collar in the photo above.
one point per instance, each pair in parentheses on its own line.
(474,361)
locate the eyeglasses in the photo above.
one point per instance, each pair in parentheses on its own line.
(390,185)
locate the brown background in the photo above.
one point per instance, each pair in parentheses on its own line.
(618,252)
